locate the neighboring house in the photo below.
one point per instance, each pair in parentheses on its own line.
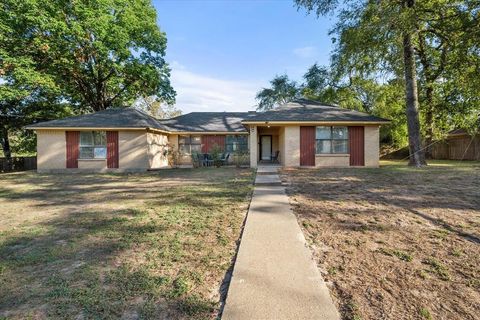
(458,145)
(302,132)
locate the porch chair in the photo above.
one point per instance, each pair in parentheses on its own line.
(224,158)
(274,158)
(207,160)
(201,159)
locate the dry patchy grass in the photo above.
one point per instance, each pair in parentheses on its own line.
(154,245)
(395,242)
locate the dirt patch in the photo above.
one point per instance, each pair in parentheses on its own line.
(394,242)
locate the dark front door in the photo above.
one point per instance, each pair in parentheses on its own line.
(266,148)
(356,137)
(307,146)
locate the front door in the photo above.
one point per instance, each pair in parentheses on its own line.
(266,147)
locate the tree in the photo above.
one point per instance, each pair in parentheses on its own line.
(373,35)
(154,107)
(282,90)
(27,93)
(106,53)
(63,57)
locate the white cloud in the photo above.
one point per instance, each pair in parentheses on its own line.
(197,92)
(305,52)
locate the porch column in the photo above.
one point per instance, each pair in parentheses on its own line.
(253,146)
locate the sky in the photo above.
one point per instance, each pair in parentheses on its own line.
(223,52)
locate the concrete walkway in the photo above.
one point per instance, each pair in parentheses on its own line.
(274,276)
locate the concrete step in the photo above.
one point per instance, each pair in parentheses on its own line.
(268,170)
(268,180)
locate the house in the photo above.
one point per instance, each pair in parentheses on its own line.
(302,132)
(458,145)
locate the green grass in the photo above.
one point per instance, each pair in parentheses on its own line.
(402,255)
(110,246)
(438,268)
(425,314)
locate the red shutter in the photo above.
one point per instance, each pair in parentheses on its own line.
(112,149)
(73,140)
(208,141)
(356,139)
(307,146)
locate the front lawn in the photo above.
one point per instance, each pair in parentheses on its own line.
(395,242)
(153,245)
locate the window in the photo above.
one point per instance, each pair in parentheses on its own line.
(236,143)
(189,144)
(93,145)
(332,140)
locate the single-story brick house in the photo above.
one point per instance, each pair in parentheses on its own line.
(302,133)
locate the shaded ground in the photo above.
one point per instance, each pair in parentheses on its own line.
(395,242)
(153,245)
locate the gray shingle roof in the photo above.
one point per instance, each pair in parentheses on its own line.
(302,110)
(110,118)
(299,110)
(208,122)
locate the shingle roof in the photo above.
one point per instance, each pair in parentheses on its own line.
(303,110)
(110,118)
(299,110)
(208,122)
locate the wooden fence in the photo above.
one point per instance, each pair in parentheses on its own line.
(19,164)
(457,148)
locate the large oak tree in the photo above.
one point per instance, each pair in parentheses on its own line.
(88,54)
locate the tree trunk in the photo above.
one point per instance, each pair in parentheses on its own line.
(429,120)
(417,155)
(6,148)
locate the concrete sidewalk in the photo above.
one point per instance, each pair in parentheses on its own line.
(274,276)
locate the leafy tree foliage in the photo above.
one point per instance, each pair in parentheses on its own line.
(27,92)
(106,53)
(426,42)
(63,57)
(282,90)
(156,108)
(373,35)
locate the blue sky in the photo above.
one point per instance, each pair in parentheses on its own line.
(223,52)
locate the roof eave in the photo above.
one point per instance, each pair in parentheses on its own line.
(306,122)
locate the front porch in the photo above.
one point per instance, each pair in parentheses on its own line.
(268,145)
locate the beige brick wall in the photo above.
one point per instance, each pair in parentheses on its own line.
(182,159)
(372,146)
(51,150)
(292,146)
(157,150)
(133,154)
(253,146)
(342,160)
(281,145)
(92,164)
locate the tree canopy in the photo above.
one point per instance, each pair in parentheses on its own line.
(63,57)
(430,48)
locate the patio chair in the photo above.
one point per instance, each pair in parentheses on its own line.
(224,158)
(207,159)
(274,157)
(201,160)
